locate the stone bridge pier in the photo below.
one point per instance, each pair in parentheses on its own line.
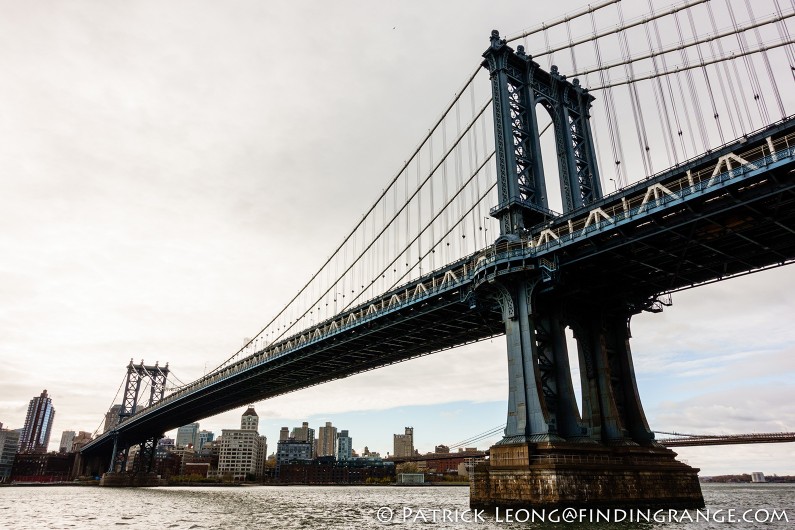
(553,455)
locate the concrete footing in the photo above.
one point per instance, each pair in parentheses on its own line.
(548,475)
(138,480)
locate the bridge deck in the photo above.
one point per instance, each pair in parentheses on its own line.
(728,212)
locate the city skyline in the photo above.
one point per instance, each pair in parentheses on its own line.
(157,165)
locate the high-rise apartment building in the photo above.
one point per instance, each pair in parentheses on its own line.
(243,451)
(188,435)
(112,418)
(284,434)
(204,438)
(38,423)
(67,439)
(404,443)
(326,441)
(9,441)
(304,433)
(344,446)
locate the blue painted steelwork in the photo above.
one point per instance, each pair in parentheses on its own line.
(460,303)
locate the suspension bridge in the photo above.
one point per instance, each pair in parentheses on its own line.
(474,237)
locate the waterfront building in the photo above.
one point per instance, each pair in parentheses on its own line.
(208,454)
(441,449)
(67,440)
(404,443)
(188,435)
(758,476)
(185,455)
(38,424)
(326,441)
(243,451)
(344,446)
(42,467)
(112,418)
(82,438)
(325,470)
(411,478)
(201,469)
(292,450)
(9,442)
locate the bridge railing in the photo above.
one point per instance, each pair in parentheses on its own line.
(453,276)
(658,195)
(441,280)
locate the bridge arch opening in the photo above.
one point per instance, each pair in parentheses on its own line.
(574,367)
(549,156)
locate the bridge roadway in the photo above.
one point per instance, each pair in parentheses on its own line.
(729,439)
(681,441)
(727,212)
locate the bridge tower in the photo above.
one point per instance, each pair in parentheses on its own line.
(551,455)
(116,474)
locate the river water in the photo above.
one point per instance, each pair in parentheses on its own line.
(329,507)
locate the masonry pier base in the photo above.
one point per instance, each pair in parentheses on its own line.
(557,475)
(131,480)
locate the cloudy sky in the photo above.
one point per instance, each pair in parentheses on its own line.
(171,172)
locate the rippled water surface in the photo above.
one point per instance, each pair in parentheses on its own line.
(310,507)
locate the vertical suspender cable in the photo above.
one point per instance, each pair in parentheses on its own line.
(710,92)
(733,96)
(692,89)
(783,32)
(749,66)
(766,60)
(637,112)
(612,125)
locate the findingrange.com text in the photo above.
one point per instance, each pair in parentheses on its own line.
(408,514)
